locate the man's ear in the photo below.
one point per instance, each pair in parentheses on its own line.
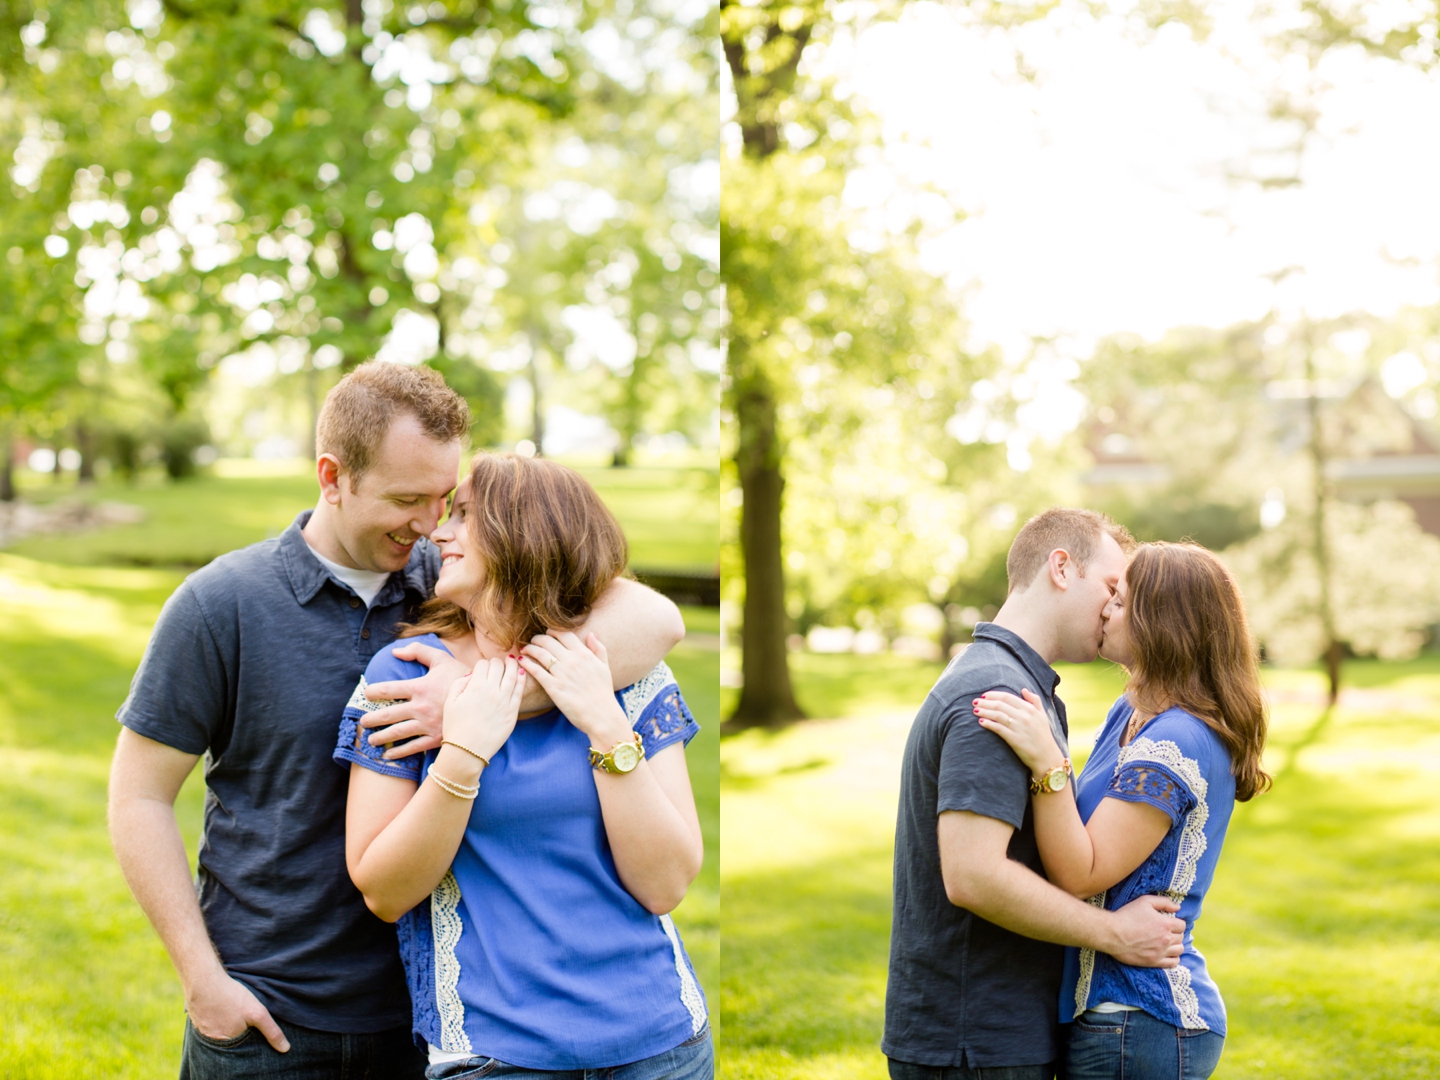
(327,471)
(1061,568)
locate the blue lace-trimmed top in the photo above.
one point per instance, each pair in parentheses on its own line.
(530,950)
(1178,765)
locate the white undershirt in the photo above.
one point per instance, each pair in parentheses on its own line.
(445,1057)
(366,583)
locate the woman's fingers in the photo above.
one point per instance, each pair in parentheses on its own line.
(566,638)
(999,729)
(594,644)
(550,644)
(457,688)
(536,669)
(1004,697)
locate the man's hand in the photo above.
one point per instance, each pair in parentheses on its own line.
(419,710)
(1147,934)
(222,1008)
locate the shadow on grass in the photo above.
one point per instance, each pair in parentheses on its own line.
(805,957)
(1322,930)
(1312,735)
(60,694)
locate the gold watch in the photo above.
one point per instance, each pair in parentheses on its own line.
(622,758)
(1054,780)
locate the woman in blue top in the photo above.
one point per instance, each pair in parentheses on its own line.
(531,866)
(1150,808)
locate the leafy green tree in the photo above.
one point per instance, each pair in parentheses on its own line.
(1248,424)
(306,178)
(816,321)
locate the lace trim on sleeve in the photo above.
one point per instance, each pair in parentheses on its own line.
(1192,833)
(656,709)
(1087,964)
(353,744)
(1141,781)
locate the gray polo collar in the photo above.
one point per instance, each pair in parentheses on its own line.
(308,576)
(1044,675)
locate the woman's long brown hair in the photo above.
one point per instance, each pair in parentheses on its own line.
(1193,649)
(548,545)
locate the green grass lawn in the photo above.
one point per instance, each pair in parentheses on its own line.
(1322,927)
(85,987)
(670,515)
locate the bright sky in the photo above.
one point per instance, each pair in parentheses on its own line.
(1098,195)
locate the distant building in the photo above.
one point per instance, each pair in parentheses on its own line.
(1382,450)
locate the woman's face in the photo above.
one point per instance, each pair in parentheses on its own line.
(1115,646)
(461,570)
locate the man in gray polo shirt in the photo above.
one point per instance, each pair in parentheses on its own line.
(251,664)
(975,946)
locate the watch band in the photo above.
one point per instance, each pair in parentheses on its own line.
(628,748)
(1047,783)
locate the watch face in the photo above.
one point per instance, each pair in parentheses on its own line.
(625,756)
(1055,781)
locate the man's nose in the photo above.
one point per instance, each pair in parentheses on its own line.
(424,525)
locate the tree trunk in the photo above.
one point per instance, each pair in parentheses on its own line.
(7,464)
(312,403)
(767,698)
(537,409)
(1334,650)
(85,443)
(1333,655)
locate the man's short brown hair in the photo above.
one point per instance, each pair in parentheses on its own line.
(1077,531)
(358,412)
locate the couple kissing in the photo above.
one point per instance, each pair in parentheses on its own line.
(1043,921)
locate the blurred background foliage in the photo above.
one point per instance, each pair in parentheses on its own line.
(878,461)
(212,210)
(208,213)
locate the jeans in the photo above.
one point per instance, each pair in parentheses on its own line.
(904,1070)
(1136,1046)
(694,1059)
(313,1055)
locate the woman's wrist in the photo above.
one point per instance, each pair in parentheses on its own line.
(1046,765)
(458,765)
(607,727)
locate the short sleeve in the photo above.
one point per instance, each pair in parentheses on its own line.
(656,709)
(1161,768)
(181,692)
(978,771)
(352,745)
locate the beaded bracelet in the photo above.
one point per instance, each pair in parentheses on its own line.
(460,791)
(480,757)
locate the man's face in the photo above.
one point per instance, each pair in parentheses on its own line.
(399,499)
(1086,599)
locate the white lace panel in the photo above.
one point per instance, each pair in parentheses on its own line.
(1185,1000)
(1187,858)
(358,700)
(1087,964)
(638,696)
(690,995)
(1192,833)
(446,927)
